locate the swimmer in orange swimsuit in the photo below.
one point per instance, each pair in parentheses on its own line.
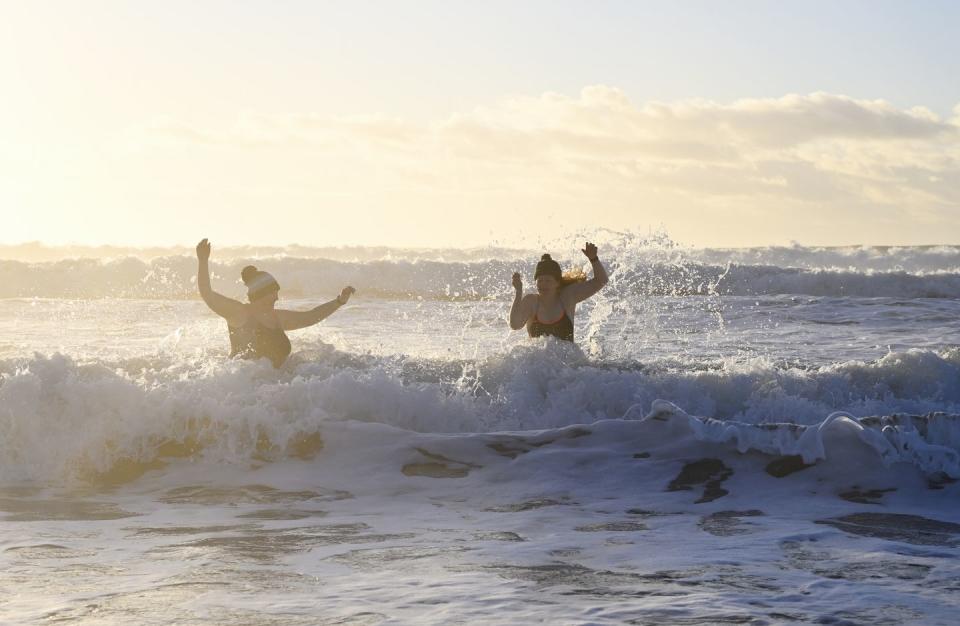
(550,311)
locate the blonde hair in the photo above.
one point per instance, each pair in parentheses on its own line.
(571,277)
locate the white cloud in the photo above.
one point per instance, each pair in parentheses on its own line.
(823,155)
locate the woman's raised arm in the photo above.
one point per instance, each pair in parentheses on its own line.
(221,305)
(581,291)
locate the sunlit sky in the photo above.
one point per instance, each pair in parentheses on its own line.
(453,123)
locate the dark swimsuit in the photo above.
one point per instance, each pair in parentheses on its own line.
(254,340)
(561,329)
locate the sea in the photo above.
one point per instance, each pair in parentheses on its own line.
(738,436)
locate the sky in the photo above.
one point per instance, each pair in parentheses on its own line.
(435,124)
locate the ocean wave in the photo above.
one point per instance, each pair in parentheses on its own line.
(771,280)
(858,259)
(650,247)
(62,418)
(630,277)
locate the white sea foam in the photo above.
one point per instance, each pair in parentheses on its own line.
(931,442)
(63,418)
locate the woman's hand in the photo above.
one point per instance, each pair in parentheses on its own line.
(517,281)
(590,251)
(203,250)
(345,294)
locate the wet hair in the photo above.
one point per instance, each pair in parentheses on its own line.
(571,277)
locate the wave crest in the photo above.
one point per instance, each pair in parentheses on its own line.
(175,278)
(63,418)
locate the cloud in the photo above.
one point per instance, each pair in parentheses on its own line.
(794,119)
(819,152)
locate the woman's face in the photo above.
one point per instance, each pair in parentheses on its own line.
(267,300)
(547,284)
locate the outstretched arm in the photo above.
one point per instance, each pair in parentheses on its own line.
(218,303)
(522,307)
(293,320)
(581,291)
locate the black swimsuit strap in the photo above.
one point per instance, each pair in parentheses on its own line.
(561,328)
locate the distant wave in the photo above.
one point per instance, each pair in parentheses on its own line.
(767,280)
(175,278)
(909,259)
(36,252)
(656,247)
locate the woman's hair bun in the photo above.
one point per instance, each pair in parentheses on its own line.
(247,274)
(546,257)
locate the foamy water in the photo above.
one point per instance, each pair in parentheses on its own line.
(740,436)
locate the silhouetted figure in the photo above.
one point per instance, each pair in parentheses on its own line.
(257,328)
(556,298)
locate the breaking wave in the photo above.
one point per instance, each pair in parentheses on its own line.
(62,418)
